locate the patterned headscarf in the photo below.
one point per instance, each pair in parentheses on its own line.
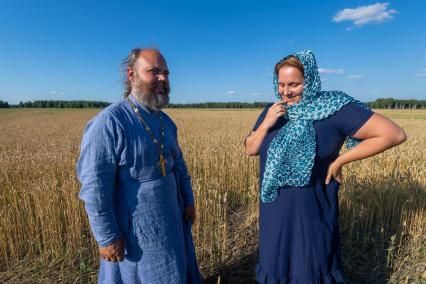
(291,154)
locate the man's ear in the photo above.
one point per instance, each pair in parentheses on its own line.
(130,73)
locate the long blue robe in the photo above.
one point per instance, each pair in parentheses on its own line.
(126,196)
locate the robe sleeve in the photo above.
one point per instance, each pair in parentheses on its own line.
(96,170)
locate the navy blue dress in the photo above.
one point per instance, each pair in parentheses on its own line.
(299,230)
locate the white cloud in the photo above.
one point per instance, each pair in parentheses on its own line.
(255,94)
(375,13)
(231,92)
(355,77)
(56,93)
(421,74)
(331,71)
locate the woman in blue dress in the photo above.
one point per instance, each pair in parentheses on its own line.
(298,140)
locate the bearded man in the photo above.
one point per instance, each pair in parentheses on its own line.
(135,184)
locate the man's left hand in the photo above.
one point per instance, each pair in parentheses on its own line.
(189,213)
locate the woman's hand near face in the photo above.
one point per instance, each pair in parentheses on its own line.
(255,139)
(277,110)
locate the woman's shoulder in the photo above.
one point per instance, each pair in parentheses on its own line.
(261,116)
(265,110)
(351,117)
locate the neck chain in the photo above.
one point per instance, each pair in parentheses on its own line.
(162,161)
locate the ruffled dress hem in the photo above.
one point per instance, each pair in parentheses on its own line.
(336,276)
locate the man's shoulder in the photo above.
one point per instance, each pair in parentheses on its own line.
(115,112)
(167,118)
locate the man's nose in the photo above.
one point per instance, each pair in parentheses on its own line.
(161,77)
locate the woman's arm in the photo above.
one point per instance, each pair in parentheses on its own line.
(255,139)
(378,133)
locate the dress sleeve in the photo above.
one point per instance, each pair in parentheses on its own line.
(259,121)
(96,170)
(350,118)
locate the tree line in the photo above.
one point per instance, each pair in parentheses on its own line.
(383,103)
(390,103)
(56,104)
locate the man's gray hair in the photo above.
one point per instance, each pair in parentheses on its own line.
(129,62)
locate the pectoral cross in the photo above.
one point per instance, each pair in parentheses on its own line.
(162,164)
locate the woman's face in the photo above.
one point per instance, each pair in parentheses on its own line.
(290,84)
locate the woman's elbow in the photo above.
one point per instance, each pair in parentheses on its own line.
(399,137)
(248,148)
(402,136)
(249,152)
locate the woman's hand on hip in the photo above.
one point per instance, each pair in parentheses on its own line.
(335,171)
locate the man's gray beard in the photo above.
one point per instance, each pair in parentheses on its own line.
(154,101)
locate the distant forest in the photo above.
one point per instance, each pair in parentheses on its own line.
(386,103)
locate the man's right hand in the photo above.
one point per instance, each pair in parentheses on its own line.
(114,252)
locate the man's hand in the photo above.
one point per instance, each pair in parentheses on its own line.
(335,171)
(189,213)
(114,252)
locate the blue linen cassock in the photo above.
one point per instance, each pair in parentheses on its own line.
(126,197)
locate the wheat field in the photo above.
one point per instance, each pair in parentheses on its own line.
(44,233)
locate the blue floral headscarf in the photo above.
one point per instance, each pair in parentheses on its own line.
(291,154)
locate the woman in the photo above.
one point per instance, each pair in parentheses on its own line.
(298,139)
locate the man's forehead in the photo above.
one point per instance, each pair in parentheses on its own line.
(152,58)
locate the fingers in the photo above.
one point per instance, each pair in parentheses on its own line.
(113,252)
(280,102)
(280,105)
(189,214)
(278,110)
(337,175)
(113,258)
(338,179)
(328,178)
(106,258)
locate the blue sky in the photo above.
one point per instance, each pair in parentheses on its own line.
(216,50)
